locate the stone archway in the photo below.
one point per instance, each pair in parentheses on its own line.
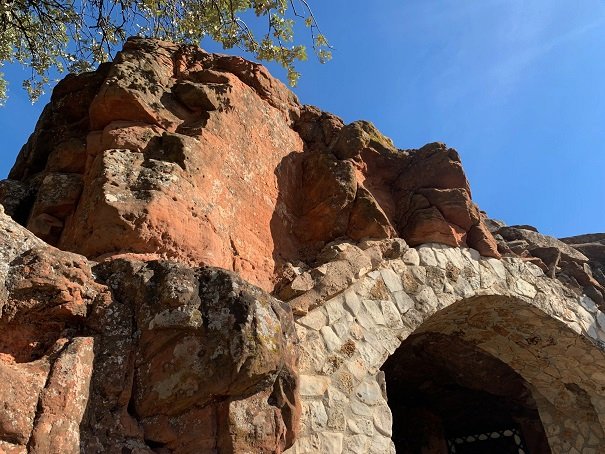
(561,369)
(505,310)
(446,395)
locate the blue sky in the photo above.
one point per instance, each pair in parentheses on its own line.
(516,86)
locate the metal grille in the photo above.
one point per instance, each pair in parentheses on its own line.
(508,441)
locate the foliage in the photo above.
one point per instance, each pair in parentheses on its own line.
(74,35)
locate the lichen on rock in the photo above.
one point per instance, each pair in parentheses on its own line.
(193,261)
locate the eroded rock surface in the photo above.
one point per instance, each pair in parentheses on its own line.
(579,262)
(207,159)
(211,267)
(138,356)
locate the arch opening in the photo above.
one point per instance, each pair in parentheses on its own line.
(448,396)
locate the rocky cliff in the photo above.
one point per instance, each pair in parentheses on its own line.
(179,211)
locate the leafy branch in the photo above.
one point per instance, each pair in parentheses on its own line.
(75,35)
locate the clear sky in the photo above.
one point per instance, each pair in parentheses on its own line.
(516,86)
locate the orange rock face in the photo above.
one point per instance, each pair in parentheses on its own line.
(206,159)
(179,187)
(101,357)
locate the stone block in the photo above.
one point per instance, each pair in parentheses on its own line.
(588,304)
(403,301)
(316,319)
(411,257)
(524,288)
(330,338)
(383,420)
(315,412)
(331,442)
(335,309)
(373,309)
(427,256)
(352,302)
(427,299)
(369,392)
(391,280)
(390,314)
(358,444)
(313,385)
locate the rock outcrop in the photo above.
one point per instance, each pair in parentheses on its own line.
(205,158)
(579,262)
(129,354)
(191,261)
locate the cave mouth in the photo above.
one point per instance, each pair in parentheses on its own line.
(448,396)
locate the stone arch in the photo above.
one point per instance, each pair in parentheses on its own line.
(563,370)
(506,308)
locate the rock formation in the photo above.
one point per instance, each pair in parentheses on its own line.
(191,261)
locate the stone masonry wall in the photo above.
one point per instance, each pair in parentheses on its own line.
(507,307)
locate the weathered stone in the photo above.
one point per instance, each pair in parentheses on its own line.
(367,220)
(311,385)
(536,239)
(64,400)
(20,386)
(186,179)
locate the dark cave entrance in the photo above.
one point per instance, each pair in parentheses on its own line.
(448,396)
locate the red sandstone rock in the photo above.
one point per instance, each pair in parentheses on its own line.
(172,153)
(206,159)
(87,369)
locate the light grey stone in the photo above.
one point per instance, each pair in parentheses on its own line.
(365,320)
(497,266)
(454,256)
(306,444)
(360,409)
(343,326)
(463,288)
(588,304)
(358,444)
(313,385)
(315,412)
(316,319)
(353,426)
(372,358)
(601,319)
(472,254)
(382,445)
(411,257)
(331,442)
(383,420)
(403,301)
(357,368)
(535,270)
(362,425)
(488,277)
(524,288)
(373,308)
(312,354)
(389,339)
(426,298)
(427,255)
(330,338)
(352,302)
(391,280)
(375,340)
(369,392)
(334,309)
(391,314)
(441,257)
(335,395)
(374,274)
